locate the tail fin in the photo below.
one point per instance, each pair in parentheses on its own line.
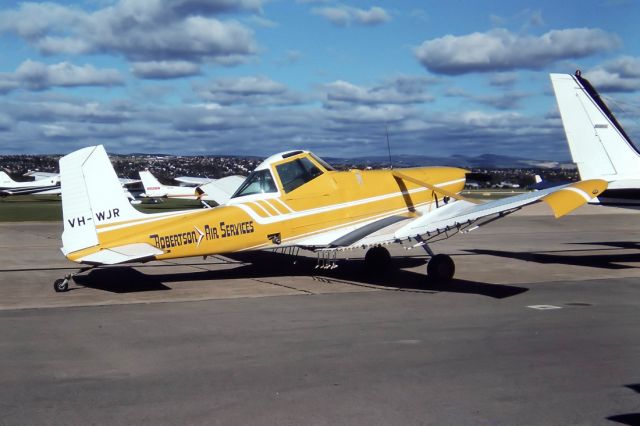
(91,196)
(5,180)
(598,143)
(152,187)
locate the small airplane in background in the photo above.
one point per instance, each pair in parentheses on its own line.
(44,184)
(216,190)
(599,145)
(47,183)
(293,200)
(154,189)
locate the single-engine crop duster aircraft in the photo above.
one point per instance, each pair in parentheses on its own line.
(292,199)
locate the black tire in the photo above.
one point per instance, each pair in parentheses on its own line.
(377,259)
(61,285)
(441,268)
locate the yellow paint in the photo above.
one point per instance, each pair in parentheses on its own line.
(568,199)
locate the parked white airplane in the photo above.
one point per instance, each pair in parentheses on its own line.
(154,189)
(598,143)
(46,185)
(216,190)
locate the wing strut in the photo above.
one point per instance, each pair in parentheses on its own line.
(434,188)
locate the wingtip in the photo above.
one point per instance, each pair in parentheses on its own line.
(572,196)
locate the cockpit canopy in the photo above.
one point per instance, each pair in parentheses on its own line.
(294,169)
(258,182)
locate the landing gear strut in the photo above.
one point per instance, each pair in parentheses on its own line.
(440,267)
(377,259)
(62,284)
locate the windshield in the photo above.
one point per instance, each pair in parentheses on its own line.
(321,162)
(296,173)
(257,182)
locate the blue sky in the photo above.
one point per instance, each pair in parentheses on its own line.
(254,77)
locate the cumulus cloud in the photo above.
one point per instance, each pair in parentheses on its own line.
(503,79)
(162,70)
(251,90)
(619,75)
(346,15)
(502,50)
(52,122)
(402,90)
(32,75)
(139,30)
(503,101)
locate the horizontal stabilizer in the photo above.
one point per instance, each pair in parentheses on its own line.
(122,254)
(574,195)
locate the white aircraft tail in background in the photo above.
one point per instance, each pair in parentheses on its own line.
(599,145)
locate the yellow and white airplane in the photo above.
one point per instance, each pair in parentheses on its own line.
(292,199)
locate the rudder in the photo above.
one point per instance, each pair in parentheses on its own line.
(598,143)
(91,196)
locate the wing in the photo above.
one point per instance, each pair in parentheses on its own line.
(34,190)
(41,175)
(126,181)
(455,215)
(192,180)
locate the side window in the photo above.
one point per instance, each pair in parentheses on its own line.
(296,173)
(257,182)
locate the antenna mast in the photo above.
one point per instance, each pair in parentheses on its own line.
(386,128)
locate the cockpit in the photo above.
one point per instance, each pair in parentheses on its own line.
(292,174)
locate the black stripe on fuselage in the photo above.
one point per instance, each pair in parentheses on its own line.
(360,233)
(595,96)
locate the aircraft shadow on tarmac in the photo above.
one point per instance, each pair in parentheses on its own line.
(573,257)
(632,419)
(124,279)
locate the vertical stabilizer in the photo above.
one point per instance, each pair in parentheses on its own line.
(91,196)
(152,187)
(5,180)
(599,145)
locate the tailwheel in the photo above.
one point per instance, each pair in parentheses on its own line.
(61,285)
(441,268)
(377,259)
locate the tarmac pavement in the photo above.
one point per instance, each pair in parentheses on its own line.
(541,326)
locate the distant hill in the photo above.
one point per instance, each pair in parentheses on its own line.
(490,161)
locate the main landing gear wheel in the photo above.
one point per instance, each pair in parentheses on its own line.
(441,268)
(377,259)
(61,285)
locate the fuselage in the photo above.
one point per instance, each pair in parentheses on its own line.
(329,201)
